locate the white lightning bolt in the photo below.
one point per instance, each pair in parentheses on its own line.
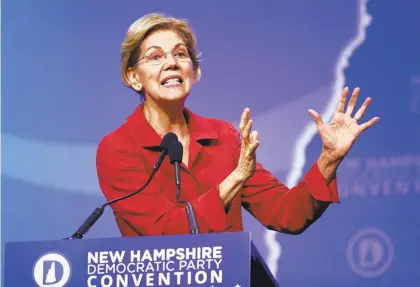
(364,19)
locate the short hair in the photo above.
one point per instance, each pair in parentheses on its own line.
(146,25)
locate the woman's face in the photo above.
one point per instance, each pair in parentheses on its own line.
(165,70)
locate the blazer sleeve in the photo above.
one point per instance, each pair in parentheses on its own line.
(149,212)
(287,210)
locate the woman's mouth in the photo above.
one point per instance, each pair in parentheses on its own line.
(172,81)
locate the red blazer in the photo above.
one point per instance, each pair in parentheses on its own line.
(125,159)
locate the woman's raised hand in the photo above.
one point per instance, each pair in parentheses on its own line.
(247,160)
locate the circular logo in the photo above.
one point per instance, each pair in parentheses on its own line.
(370,252)
(51,270)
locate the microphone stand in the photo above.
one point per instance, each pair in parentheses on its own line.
(175,155)
(188,207)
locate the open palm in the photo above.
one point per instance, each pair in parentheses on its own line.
(340,134)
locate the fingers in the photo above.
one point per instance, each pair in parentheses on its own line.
(254,136)
(246,124)
(352,101)
(359,114)
(254,140)
(246,131)
(248,157)
(368,124)
(244,119)
(317,118)
(246,127)
(342,101)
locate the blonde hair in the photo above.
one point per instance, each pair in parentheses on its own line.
(142,28)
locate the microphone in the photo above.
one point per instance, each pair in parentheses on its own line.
(175,156)
(168,140)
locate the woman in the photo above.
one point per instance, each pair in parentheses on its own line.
(219,170)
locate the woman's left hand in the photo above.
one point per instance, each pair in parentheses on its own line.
(339,135)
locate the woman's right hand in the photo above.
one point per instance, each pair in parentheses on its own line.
(247,159)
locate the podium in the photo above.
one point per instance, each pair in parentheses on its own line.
(217,259)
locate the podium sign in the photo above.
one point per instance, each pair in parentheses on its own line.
(219,259)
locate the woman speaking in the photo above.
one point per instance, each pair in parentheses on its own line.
(219,171)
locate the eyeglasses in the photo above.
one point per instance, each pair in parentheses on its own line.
(157,56)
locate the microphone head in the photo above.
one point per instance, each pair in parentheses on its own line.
(168,140)
(176,152)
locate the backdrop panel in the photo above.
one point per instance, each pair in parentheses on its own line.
(61,93)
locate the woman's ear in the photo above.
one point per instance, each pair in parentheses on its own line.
(134,79)
(196,75)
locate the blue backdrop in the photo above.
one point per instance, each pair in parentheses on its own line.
(61,93)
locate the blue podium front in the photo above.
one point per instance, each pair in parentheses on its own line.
(219,259)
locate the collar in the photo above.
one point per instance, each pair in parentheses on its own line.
(200,128)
